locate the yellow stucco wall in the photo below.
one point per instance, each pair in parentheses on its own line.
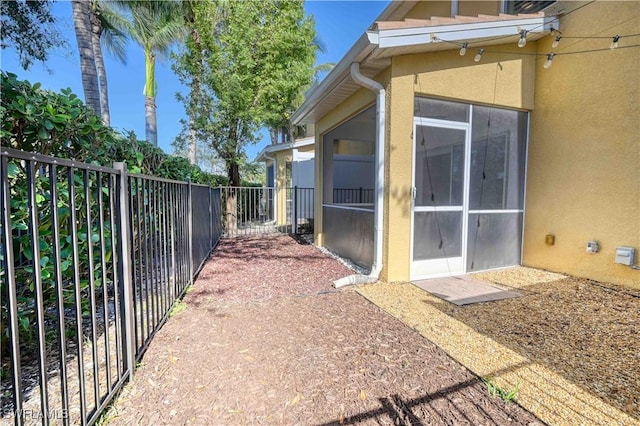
(427,9)
(583,178)
(282,158)
(505,80)
(306,148)
(474,8)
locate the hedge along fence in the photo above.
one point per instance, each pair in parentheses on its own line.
(60,125)
(62,280)
(92,261)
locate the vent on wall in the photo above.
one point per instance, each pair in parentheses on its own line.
(513,7)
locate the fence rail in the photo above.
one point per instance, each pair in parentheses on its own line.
(92,260)
(264,210)
(353,195)
(300,213)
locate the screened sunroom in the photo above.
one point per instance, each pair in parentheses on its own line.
(348,158)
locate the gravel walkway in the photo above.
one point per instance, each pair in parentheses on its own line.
(265,340)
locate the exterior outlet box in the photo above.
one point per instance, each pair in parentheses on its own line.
(593,246)
(625,255)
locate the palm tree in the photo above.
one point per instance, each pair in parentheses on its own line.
(194,59)
(82,24)
(105,35)
(155,26)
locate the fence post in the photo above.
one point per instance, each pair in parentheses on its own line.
(124,266)
(210,220)
(295,209)
(190,217)
(12,297)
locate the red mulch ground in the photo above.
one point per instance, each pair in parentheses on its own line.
(265,340)
(259,268)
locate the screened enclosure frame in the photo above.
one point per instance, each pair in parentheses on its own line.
(491,226)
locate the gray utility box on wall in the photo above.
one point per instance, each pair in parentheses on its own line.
(625,255)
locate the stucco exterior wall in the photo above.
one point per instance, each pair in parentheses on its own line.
(306,148)
(583,178)
(474,8)
(281,183)
(427,9)
(505,80)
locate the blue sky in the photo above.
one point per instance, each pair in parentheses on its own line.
(338,23)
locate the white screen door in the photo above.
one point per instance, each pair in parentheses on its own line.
(439,209)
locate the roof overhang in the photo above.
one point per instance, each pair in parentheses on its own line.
(376,47)
(272,149)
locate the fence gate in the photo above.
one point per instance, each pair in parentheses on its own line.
(265,210)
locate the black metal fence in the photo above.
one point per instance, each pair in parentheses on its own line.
(300,214)
(353,195)
(263,210)
(92,260)
(248,210)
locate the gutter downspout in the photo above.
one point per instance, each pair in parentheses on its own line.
(275,185)
(376,268)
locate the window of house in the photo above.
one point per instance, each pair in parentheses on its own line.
(513,7)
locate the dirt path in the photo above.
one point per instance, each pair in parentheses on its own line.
(263,343)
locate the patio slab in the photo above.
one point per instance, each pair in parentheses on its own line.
(465,290)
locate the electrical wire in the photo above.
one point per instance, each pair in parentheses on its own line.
(605,49)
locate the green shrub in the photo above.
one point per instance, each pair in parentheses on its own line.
(60,125)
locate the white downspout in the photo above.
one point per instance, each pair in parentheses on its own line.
(275,186)
(374,86)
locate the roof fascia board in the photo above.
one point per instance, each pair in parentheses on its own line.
(284,146)
(459,32)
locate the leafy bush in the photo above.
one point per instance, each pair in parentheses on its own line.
(60,125)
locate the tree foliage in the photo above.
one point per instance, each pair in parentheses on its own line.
(60,125)
(250,66)
(29,27)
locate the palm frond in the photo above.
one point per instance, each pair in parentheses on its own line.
(319,44)
(113,39)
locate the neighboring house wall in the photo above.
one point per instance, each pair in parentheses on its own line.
(302,169)
(282,158)
(583,178)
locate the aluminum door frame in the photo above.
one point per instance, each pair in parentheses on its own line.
(455,125)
